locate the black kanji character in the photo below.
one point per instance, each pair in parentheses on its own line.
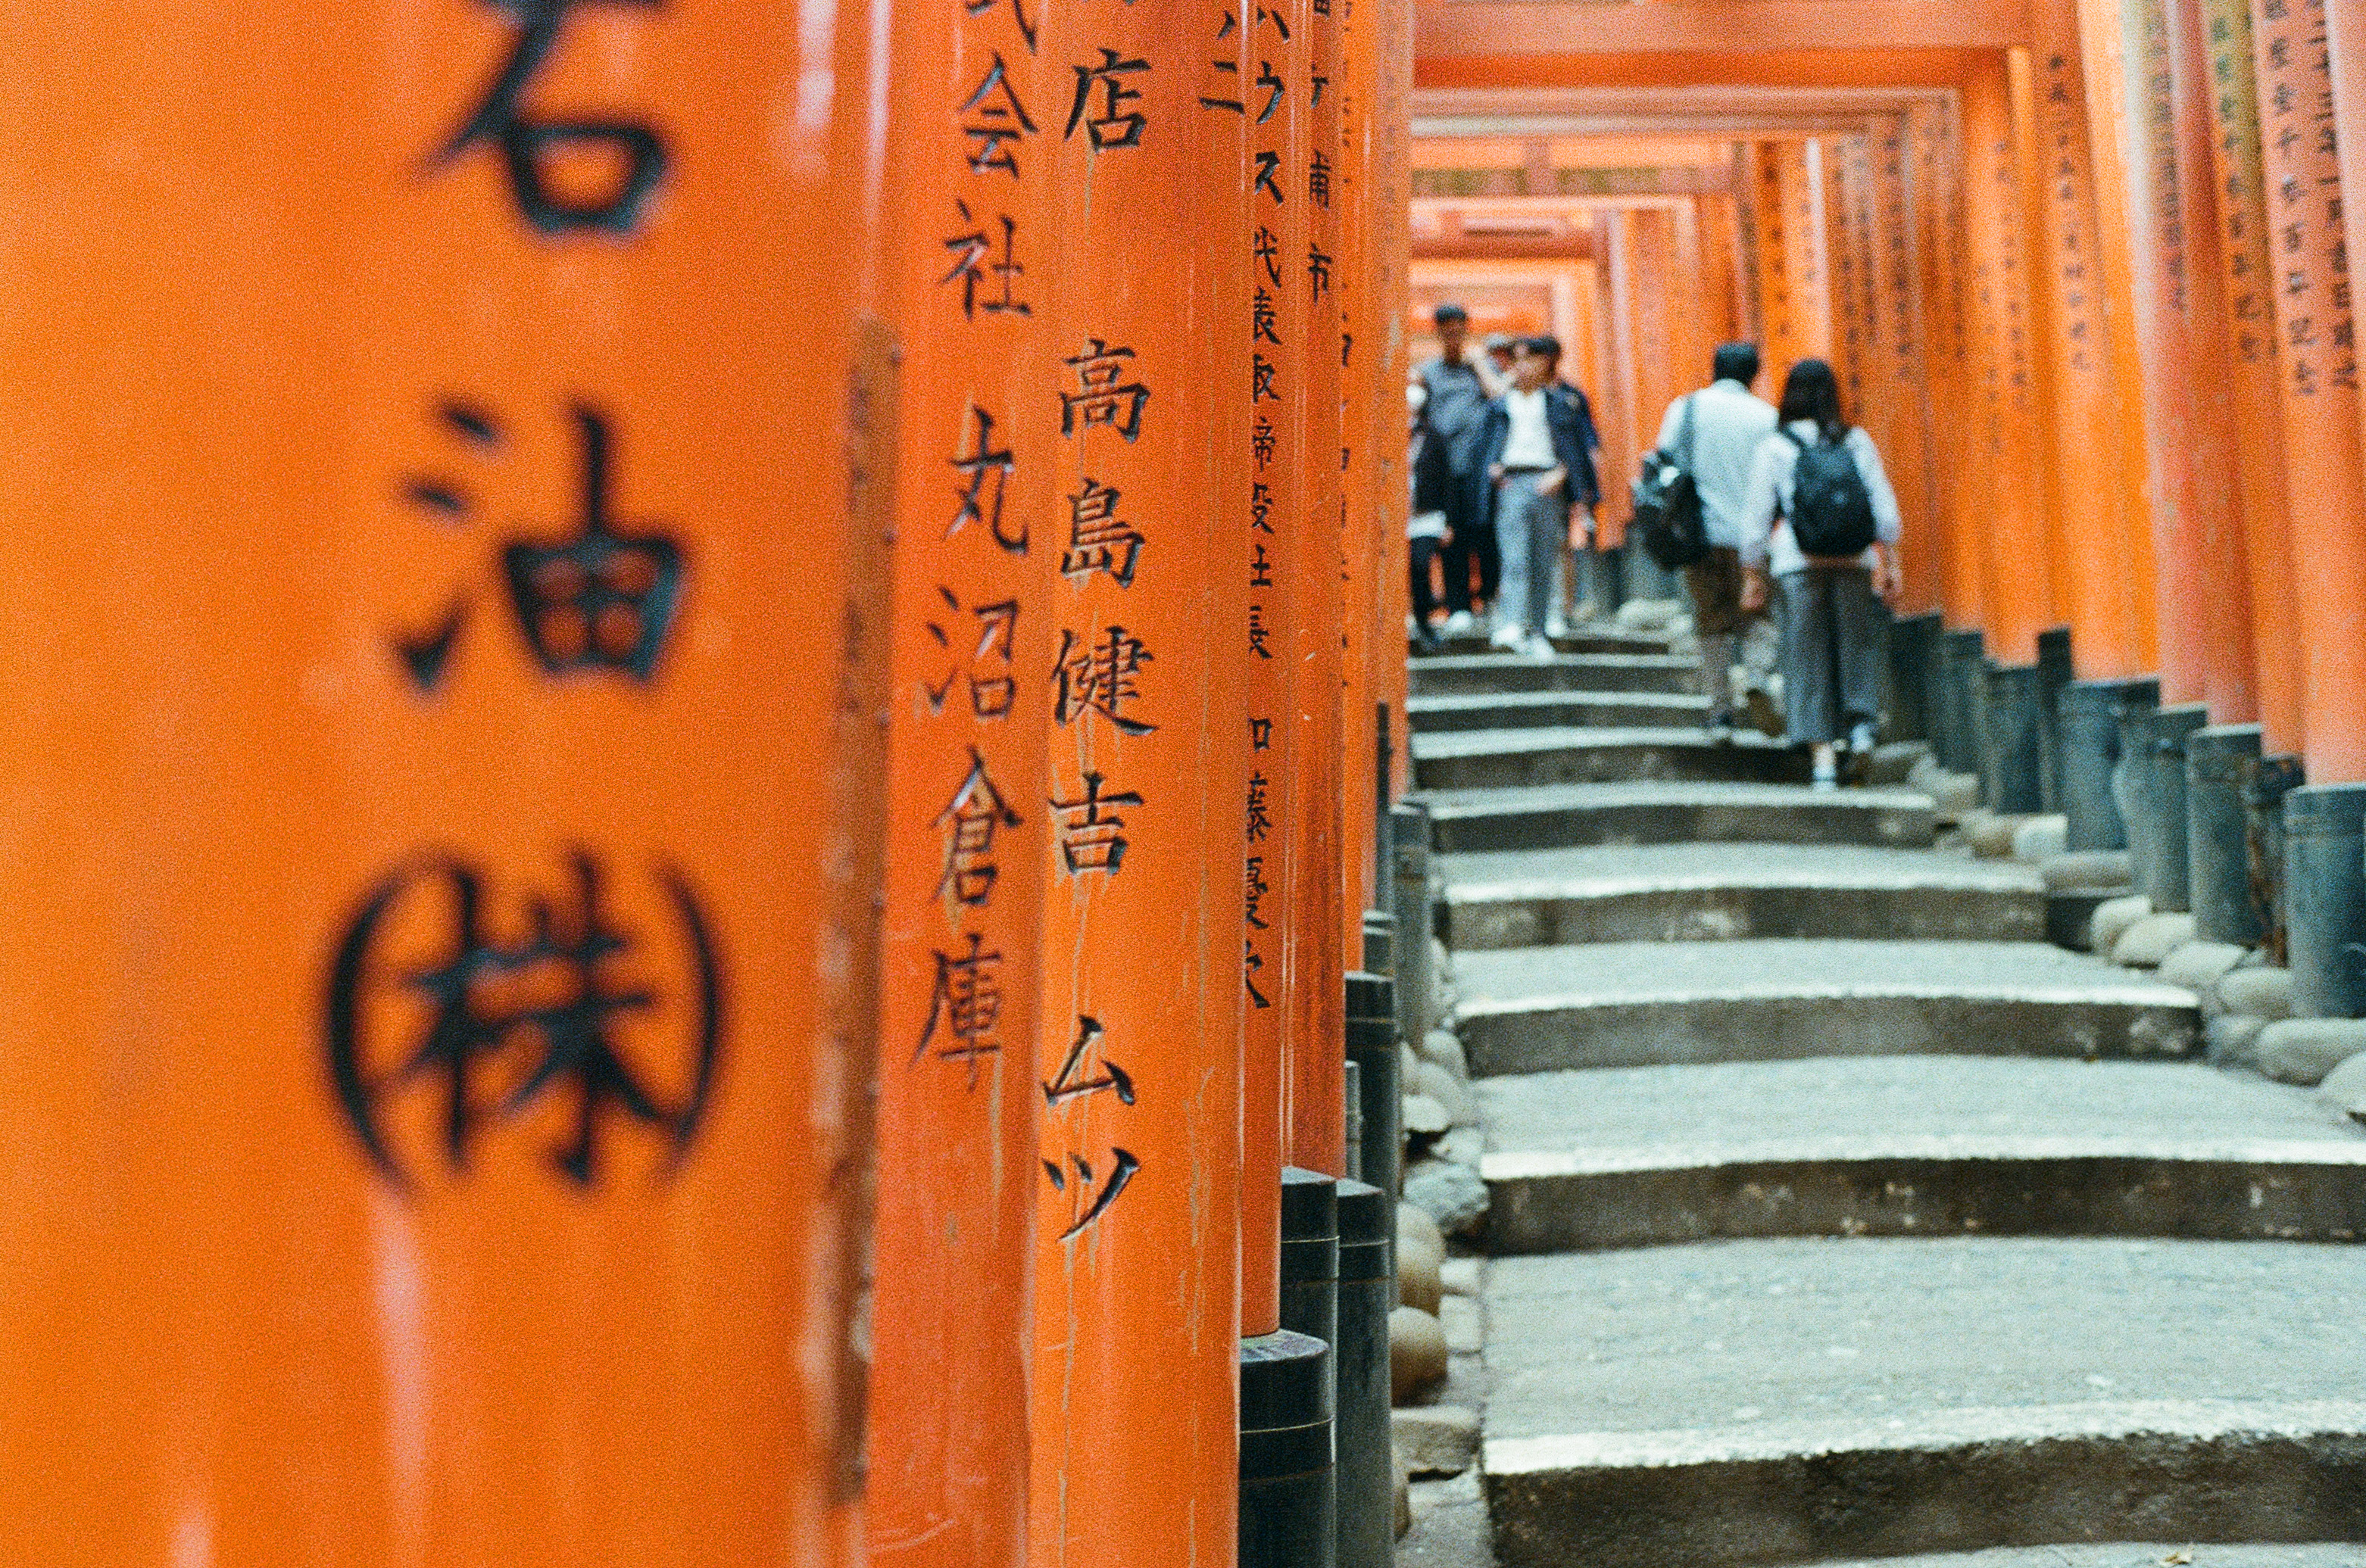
(996,117)
(526,142)
(552,997)
(1099,540)
(1114,126)
(1092,837)
(972,261)
(969,822)
(1103,396)
(1099,676)
(982,468)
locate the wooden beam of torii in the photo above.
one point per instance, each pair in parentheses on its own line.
(1656,27)
(1765,113)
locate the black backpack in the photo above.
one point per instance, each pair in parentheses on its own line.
(1668,504)
(1831,511)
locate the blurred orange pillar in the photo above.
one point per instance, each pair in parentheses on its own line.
(2222,33)
(2187,449)
(1137,1245)
(2009,564)
(2325,492)
(2106,584)
(437,1056)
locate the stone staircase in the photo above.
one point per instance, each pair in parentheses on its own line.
(1833,1214)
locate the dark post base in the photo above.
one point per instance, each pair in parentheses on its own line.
(2012,775)
(1607,588)
(1372,1052)
(2218,865)
(2152,794)
(1380,940)
(1645,579)
(1368,1293)
(1965,667)
(2053,676)
(2265,782)
(1410,894)
(2090,749)
(1911,638)
(2324,899)
(1289,1501)
(1355,1103)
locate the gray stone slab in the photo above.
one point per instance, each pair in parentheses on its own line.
(1914,1145)
(1572,815)
(1569,672)
(1497,759)
(1787,1401)
(1679,893)
(2145,1555)
(1585,639)
(1525,710)
(1653,1003)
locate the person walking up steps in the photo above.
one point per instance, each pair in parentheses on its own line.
(1715,432)
(1538,462)
(1822,519)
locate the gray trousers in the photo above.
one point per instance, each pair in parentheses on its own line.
(1833,651)
(1532,530)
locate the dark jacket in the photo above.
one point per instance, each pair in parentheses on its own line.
(1433,472)
(1570,418)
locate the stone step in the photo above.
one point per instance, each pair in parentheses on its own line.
(1566,816)
(1467,674)
(1654,1003)
(1585,640)
(1678,892)
(1759,1402)
(1538,709)
(1914,1145)
(1519,759)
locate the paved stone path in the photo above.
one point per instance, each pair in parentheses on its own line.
(1836,1218)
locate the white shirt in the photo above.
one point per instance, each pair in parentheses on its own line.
(1529,442)
(1728,422)
(1764,542)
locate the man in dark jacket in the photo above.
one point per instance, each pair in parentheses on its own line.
(1456,394)
(1538,452)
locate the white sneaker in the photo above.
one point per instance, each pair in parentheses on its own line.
(1824,782)
(1458,624)
(1542,650)
(1511,638)
(1556,627)
(1863,740)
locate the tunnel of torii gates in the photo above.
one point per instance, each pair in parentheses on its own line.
(702,702)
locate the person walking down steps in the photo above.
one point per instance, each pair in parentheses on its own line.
(1539,461)
(1716,432)
(1822,520)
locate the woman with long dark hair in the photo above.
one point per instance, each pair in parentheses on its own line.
(1833,623)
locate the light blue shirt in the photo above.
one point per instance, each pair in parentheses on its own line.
(1728,422)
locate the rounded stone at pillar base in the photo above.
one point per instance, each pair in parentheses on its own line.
(2089,729)
(2218,865)
(1417,1354)
(2265,782)
(2303,1050)
(2054,674)
(1288,1485)
(2010,779)
(2324,899)
(1911,640)
(2152,752)
(1364,1379)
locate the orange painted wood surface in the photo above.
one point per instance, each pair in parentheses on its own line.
(959,1109)
(1136,1252)
(379,824)
(1316,1008)
(2325,492)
